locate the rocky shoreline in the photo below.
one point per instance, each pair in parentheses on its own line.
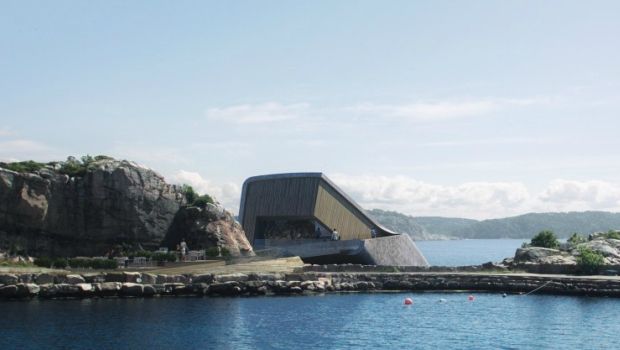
(136,284)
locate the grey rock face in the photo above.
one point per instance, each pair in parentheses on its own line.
(534,254)
(47,213)
(206,228)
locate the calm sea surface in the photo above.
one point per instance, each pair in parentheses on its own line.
(344,321)
(468,252)
(332,321)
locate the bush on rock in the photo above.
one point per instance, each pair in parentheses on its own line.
(545,239)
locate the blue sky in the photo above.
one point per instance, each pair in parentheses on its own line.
(474,109)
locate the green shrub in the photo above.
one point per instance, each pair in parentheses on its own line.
(545,239)
(43,262)
(103,264)
(195,199)
(203,200)
(161,256)
(225,252)
(102,157)
(576,239)
(60,263)
(589,262)
(612,234)
(190,194)
(212,252)
(72,167)
(28,166)
(77,263)
(145,253)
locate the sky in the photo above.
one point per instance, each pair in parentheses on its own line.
(476,109)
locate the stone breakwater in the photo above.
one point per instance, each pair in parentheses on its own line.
(135,284)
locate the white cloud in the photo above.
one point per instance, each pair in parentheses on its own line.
(479,200)
(492,141)
(439,110)
(257,113)
(577,194)
(228,194)
(410,196)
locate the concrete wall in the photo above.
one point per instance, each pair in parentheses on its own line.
(397,250)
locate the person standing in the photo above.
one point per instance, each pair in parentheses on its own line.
(335,235)
(183,247)
(373,233)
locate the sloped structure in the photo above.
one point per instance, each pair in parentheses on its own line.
(295,214)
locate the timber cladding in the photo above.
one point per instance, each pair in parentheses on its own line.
(297,196)
(334,212)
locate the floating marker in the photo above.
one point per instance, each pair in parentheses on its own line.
(504,295)
(408,301)
(442,300)
(470,298)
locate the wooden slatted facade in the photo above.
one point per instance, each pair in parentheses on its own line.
(309,196)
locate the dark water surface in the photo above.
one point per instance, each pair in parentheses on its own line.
(335,321)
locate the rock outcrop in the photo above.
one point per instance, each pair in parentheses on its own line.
(565,259)
(106,204)
(204,228)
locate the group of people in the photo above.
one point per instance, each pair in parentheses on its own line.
(335,235)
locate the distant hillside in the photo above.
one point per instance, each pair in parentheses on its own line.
(522,226)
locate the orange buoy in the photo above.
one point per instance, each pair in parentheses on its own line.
(470,298)
(408,301)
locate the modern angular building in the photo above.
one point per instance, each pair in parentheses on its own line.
(296,213)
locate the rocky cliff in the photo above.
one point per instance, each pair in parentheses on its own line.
(57,210)
(211,226)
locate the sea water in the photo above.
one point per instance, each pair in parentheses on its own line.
(469,251)
(331,321)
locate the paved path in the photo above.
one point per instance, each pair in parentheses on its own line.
(286,265)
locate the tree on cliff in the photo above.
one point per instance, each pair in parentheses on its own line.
(194,199)
(545,239)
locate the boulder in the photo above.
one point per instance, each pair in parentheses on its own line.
(148,278)
(226,288)
(108,288)
(28,289)
(148,290)
(26,278)
(133,277)
(44,278)
(203,278)
(75,279)
(115,277)
(9,291)
(8,278)
(534,254)
(96,277)
(238,277)
(132,289)
(161,279)
(61,290)
(85,289)
(296,290)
